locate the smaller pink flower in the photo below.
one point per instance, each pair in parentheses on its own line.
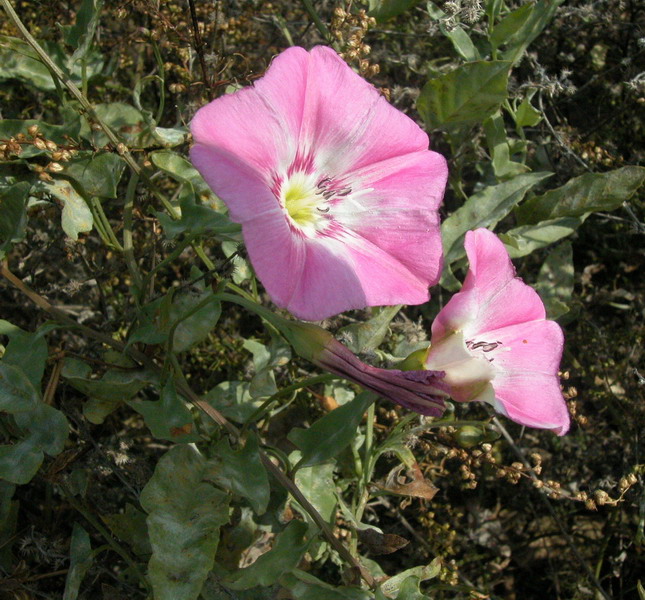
(494,343)
(335,189)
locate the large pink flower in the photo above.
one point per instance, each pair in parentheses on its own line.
(495,344)
(336,190)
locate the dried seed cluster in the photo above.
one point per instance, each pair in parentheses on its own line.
(14,147)
(350,30)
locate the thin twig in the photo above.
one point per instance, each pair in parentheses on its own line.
(200,48)
(557,137)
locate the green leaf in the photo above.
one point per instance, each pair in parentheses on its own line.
(109,392)
(184,518)
(555,280)
(130,527)
(79,36)
(126,121)
(394,585)
(368,335)
(509,25)
(76,216)
(304,586)
(539,18)
(469,94)
(168,418)
(17,393)
(525,115)
(233,399)
(13,215)
(46,426)
(462,43)
(193,324)
(331,434)
(20,462)
(241,472)
(499,148)
(19,61)
(196,219)
(45,429)
(485,209)
(386,9)
(81,558)
(317,484)
(171,136)
(285,555)
(180,169)
(97,174)
(523,240)
(28,352)
(587,193)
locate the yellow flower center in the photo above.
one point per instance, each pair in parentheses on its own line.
(302,201)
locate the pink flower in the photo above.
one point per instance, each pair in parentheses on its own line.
(494,343)
(335,189)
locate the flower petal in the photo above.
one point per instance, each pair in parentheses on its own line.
(534,400)
(526,383)
(316,278)
(258,125)
(244,190)
(395,208)
(491,297)
(347,123)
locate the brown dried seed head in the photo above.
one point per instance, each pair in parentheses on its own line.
(33,131)
(601,497)
(40,143)
(590,504)
(51,146)
(55,167)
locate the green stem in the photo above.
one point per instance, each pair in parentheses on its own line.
(210,265)
(128,247)
(162,77)
(315,17)
(97,209)
(238,290)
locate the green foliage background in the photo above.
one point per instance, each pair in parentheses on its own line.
(121,356)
